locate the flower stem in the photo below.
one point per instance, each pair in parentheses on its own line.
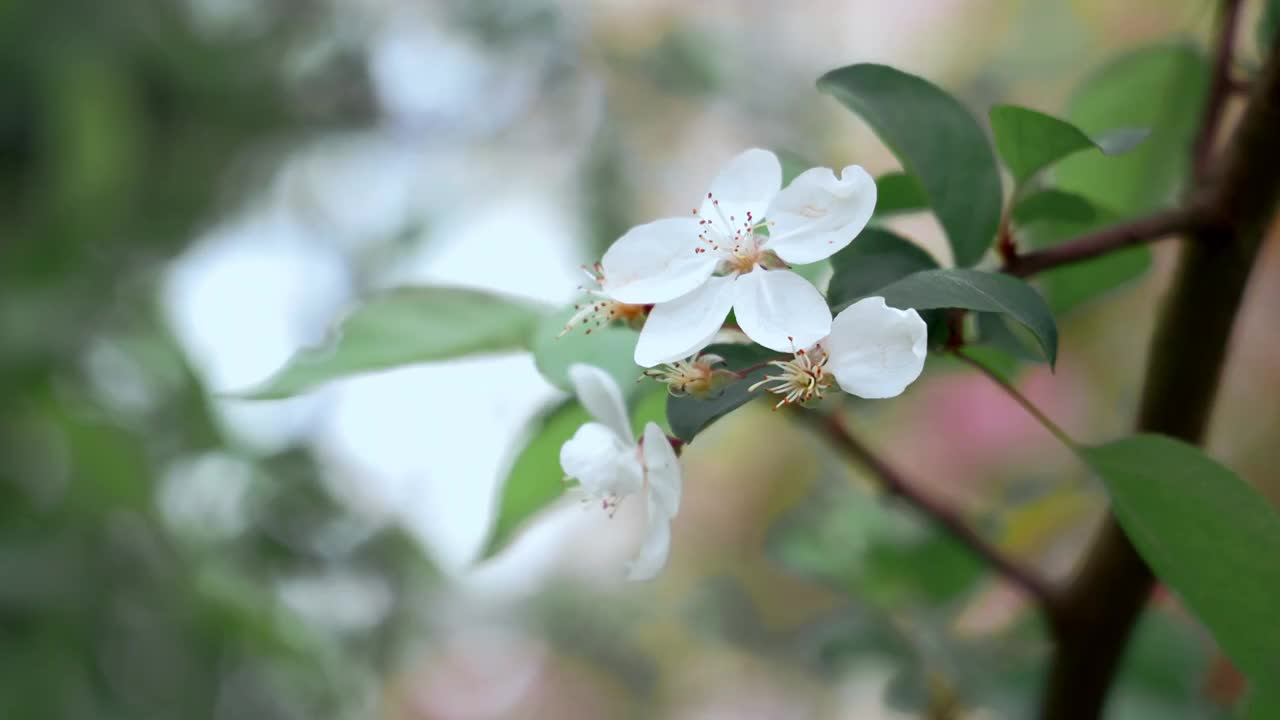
(896,484)
(1022,400)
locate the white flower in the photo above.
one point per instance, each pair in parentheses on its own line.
(609,465)
(874,351)
(734,254)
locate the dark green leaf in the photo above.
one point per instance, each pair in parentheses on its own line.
(982,291)
(1207,534)
(874,259)
(1161,88)
(994,331)
(536,479)
(407,326)
(937,141)
(690,415)
(1053,216)
(899,193)
(1029,141)
(610,348)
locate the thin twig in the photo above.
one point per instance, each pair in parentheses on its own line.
(1053,428)
(1219,89)
(897,485)
(1153,227)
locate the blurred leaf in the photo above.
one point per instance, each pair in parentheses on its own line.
(1159,87)
(1207,534)
(937,141)
(873,260)
(689,415)
(854,543)
(1166,651)
(610,348)
(947,675)
(1053,216)
(1263,704)
(982,291)
(406,326)
(792,165)
(1268,35)
(898,192)
(1029,141)
(536,479)
(1055,206)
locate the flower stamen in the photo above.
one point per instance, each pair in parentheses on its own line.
(602,310)
(802,379)
(697,376)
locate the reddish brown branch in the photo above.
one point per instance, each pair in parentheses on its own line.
(897,485)
(1154,227)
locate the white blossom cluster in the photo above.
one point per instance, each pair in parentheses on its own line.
(679,278)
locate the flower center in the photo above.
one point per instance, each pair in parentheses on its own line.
(734,239)
(802,379)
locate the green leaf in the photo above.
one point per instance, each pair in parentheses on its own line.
(1207,534)
(406,326)
(899,193)
(937,141)
(689,415)
(850,541)
(536,480)
(610,348)
(1161,88)
(1049,217)
(981,291)
(1166,649)
(1055,206)
(874,259)
(994,331)
(1029,141)
(1268,35)
(1263,704)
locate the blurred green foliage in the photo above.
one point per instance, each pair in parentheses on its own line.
(118,127)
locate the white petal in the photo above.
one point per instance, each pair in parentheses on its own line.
(746,185)
(876,351)
(661,469)
(780,310)
(679,328)
(601,463)
(655,547)
(600,395)
(818,215)
(656,262)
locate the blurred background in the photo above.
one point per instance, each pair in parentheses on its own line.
(190,190)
